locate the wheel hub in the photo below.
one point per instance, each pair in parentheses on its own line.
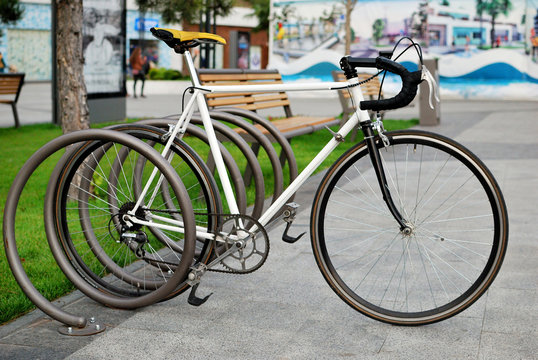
(408,230)
(124,209)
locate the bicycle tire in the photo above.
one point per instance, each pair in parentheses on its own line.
(202,191)
(144,285)
(458,219)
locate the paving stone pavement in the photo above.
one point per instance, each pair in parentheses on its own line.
(285,310)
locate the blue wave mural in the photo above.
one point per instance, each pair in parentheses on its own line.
(497,71)
(490,74)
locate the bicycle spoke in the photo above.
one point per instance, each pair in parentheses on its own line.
(422,274)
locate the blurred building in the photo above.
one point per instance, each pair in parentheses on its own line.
(27,43)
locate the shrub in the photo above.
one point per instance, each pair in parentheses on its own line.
(156,73)
(165,74)
(170,74)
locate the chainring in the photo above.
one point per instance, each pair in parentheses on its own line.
(249,258)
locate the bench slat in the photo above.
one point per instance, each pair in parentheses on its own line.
(219,83)
(9,83)
(237,94)
(370,88)
(266,105)
(293,123)
(9,91)
(290,127)
(239,77)
(245,100)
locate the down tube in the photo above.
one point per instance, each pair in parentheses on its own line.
(311,167)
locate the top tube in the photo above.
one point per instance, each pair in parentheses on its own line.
(277,87)
(307,86)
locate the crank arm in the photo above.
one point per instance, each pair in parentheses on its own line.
(232,250)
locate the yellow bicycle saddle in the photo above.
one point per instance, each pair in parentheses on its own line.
(185,39)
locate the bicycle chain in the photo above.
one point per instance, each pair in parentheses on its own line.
(225,218)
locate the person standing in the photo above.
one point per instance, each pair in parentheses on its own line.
(137,63)
(2,63)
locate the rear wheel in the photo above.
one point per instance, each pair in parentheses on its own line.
(450,202)
(94,189)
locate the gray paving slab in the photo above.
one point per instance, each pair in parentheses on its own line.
(285,310)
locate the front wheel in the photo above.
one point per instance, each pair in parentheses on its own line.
(458,222)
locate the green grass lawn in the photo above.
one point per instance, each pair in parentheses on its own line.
(17,145)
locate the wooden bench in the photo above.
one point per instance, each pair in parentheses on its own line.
(290,126)
(10,89)
(370,91)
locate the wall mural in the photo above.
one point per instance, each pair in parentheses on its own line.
(482,52)
(29,51)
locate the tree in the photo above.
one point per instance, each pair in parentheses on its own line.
(261,9)
(71,91)
(480,9)
(378,26)
(494,8)
(349,5)
(177,11)
(419,22)
(11,11)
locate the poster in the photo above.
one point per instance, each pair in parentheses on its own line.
(255,57)
(477,56)
(104,47)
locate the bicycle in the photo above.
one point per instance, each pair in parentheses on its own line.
(407,227)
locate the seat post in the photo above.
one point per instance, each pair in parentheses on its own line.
(192,68)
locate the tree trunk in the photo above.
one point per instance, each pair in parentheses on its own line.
(349,8)
(481,30)
(72,95)
(492,32)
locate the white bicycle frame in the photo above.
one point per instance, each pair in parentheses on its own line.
(198,99)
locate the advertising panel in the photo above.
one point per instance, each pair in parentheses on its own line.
(104,47)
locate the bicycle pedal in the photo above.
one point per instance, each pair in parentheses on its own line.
(290,239)
(195,300)
(289,216)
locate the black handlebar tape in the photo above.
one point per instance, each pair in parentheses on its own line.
(410,81)
(362,62)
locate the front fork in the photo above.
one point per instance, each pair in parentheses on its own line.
(373,151)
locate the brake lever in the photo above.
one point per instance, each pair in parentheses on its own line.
(432,85)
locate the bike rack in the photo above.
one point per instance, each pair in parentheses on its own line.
(77,325)
(73,324)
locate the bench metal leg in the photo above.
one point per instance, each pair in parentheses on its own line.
(15,114)
(282,156)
